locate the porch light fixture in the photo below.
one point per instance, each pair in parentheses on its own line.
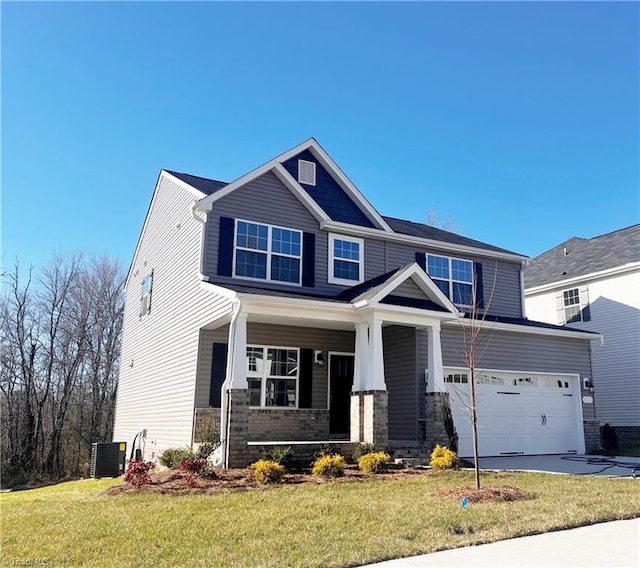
(318,358)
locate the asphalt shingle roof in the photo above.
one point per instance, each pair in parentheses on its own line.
(401,226)
(428,232)
(205,185)
(578,256)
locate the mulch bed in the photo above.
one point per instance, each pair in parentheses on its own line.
(174,482)
(227,480)
(490,494)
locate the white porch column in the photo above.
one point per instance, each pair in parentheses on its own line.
(362,355)
(436,372)
(238,353)
(375,376)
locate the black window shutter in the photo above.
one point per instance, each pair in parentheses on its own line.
(421,259)
(586,313)
(218,373)
(308,260)
(305,378)
(477,267)
(225,246)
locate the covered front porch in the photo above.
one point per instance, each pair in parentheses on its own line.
(312,373)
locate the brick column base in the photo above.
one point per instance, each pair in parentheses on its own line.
(238,432)
(370,417)
(591,435)
(439,428)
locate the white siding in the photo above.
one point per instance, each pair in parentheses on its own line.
(159,354)
(615,312)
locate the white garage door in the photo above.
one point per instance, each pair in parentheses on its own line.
(518,413)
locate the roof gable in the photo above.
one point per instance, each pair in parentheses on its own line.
(579,257)
(407,286)
(328,193)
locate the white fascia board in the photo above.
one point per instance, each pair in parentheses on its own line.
(219,290)
(285,177)
(163,174)
(630,267)
(207,203)
(347,229)
(490,326)
(403,315)
(347,185)
(298,308)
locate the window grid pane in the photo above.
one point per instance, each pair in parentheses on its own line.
(280,392)
(285,269)
(461,294)
(461,270)
(571,297)
(284,241)
(251,264)
(438,267)
(346,270)
(252,236)
(346,250)
(284,362)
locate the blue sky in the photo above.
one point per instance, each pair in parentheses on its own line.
(519,120)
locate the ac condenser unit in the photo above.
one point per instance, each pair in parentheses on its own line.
(108,458)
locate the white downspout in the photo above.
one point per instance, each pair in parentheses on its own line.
(223,454)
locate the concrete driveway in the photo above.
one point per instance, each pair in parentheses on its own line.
(609,466)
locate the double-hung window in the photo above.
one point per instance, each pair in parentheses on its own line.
(454,276)
(266,252)
(346,262)
(272,374)
(572,308)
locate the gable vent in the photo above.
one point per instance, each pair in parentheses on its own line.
(306,172)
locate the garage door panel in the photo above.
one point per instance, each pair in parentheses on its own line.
(525,414)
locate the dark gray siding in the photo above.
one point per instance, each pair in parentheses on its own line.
(504,301)
(277,336)
(400,375)
(409,289)
(524,352)
(267,200)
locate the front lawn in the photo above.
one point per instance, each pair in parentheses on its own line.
(303,524)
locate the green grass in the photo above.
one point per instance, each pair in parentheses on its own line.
(332,524)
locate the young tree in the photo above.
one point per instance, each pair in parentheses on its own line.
(434,219)
(475,340)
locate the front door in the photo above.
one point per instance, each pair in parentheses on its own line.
(340,385)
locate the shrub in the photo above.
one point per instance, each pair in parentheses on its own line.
(443,458)
(173,457)
(325,450)
(192,465)
(279,454)
(362,449)
(210,438)
(375,462)
(329,466)
(138,472)
(267,471)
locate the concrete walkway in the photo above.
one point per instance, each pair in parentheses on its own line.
(605,544)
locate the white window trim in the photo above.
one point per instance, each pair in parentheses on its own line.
(579,306)
(313,167)
(267,252)
(451,280)
(266,376)
(345,281)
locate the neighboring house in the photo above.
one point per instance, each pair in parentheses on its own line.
(284,305)
(594,284)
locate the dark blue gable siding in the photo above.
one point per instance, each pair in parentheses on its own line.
(328,193)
